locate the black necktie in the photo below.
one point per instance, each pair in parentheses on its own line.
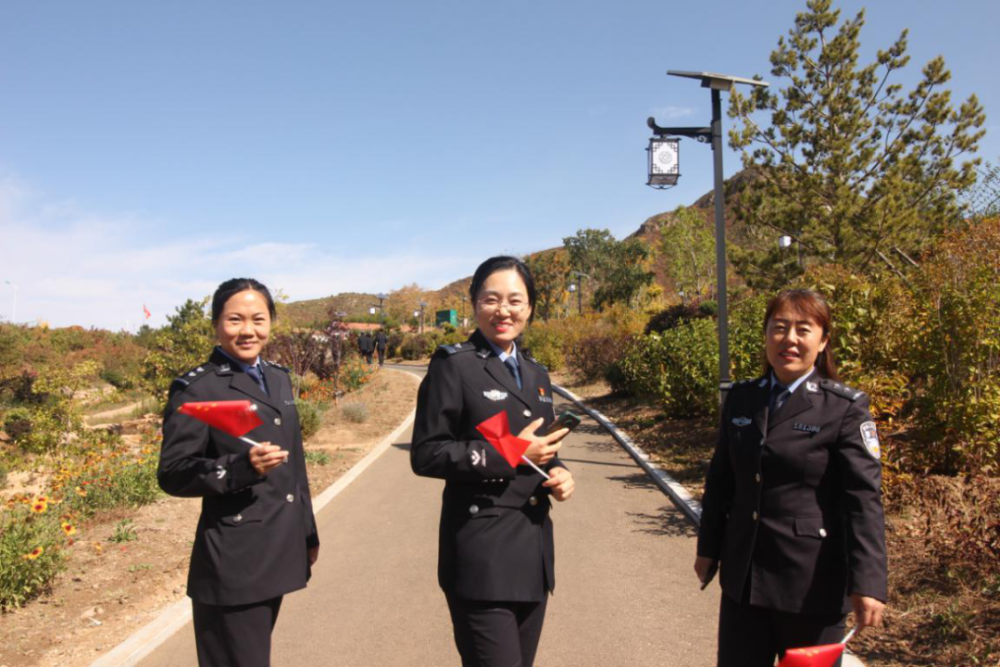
(779,394)
(511,365)
(258,377)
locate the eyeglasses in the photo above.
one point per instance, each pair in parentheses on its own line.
(493,304)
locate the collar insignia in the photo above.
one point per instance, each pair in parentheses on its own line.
(741,421)
(812,386)
(495,395)
(762,383)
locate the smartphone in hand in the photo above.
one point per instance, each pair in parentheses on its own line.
(565,420)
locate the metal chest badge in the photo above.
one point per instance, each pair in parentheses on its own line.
(495,395)
(542,397)
(869,435)
(741,421)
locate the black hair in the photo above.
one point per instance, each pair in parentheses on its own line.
(503,263)
(234,286)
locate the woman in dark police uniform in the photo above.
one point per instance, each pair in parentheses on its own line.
(256,539)
(496,554)
(792,507)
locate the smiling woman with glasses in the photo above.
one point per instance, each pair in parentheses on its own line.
(496,555)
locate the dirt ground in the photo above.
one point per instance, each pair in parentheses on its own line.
(932,618)
(109,590)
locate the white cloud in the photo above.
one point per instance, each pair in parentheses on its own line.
(74,267)
(668,113)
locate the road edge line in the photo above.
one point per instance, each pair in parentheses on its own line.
(679,496)
(154,634)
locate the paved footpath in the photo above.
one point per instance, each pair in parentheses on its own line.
(625,595)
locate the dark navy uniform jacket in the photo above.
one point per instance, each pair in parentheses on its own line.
(495,535)
(252,538)
(792,505)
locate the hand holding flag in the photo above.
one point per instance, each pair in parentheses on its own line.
(496,430)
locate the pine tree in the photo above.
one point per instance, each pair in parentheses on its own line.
(849,166)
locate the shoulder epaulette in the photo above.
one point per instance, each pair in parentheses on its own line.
(535,361)
(455,349)
(192,376)
(841,389)
(279,367)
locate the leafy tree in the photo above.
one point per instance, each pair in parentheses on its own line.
(617,269)
(184,343)
(551,271)
(687,246)
(849,165)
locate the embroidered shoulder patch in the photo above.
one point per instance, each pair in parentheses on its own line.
(869,435)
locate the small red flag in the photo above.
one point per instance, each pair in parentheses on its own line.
(146,311)
(496,430)
(237,418)
(812,656)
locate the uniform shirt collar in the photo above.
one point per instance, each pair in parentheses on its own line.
(242,365)
(503,355)
(795,385)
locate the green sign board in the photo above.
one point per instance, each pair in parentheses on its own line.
(449,316)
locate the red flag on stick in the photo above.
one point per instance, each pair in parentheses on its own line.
(496,430)
(237,418)
(145,311)
(812,656)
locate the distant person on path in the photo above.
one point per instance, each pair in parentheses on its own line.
(367,346)
(793,505)
(496,554)
(256,539)
(380,344)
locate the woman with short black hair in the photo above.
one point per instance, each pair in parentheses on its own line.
(256,539)
(496,555)
(792,511)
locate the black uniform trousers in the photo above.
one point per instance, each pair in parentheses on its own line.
(235,635)
(497,634)
(751,636)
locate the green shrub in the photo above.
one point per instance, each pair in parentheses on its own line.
(317,457)
(417,346)
(110,480)
(674,316)
(356,413)
(544,342)
(310,417)
(124,532)
(31,554)
(957,354)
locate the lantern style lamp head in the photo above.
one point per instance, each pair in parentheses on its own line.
(572,287)
(664,162)
(371,311)
(785,242)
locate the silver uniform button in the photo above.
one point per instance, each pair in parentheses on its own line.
(755,516)
(473,509)
(237,518)
(762,441)
(277,421)
(290,498)
(532,501)
(822,532)
(757,477)
(527,413)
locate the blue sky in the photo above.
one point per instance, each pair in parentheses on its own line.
(149,151)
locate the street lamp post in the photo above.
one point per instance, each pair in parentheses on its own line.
(664,170)
(381,308)
(578,288)
(423,304)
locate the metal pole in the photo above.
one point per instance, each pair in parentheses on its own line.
(579,298)
(720,246)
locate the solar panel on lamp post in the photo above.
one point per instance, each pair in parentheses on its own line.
(666,162)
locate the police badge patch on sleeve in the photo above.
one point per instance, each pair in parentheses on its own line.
(869,434)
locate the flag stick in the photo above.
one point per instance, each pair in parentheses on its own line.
(248,440)
(532,464)
(849,635)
